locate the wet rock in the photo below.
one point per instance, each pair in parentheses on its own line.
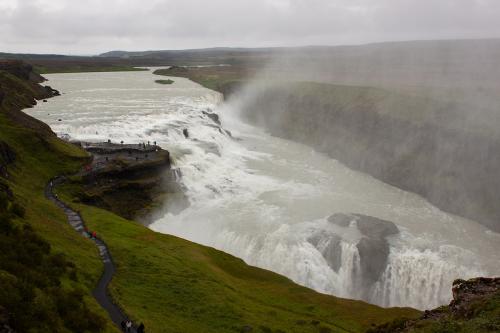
(373,247)
(213,116)
(342,220)
(330,248)
(373,254)
(375,228)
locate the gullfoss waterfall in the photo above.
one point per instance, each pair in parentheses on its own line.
(275,203)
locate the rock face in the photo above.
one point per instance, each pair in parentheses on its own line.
(329,246)
(373,246)
(434,156)
(130,180)
(467,292)
(475,308)
(21,70)
(213,116)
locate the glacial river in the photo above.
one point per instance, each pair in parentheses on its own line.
(264,199)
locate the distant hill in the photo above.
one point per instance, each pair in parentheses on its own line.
(414,60)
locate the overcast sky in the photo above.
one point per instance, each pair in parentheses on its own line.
(95,26)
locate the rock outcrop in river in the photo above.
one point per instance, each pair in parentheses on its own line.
(372,247)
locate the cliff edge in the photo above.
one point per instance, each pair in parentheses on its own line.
(475,308)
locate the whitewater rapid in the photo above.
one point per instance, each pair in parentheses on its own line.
(266,199)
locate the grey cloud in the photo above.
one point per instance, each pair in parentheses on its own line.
(93,26)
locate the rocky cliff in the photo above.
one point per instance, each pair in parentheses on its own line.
(131,180)
(421,145)
(20,89)
(475,308)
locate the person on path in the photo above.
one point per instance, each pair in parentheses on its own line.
(140,329)
(94,235)
(129,326)
(123,324)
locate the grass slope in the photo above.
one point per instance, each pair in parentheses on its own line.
(173,285)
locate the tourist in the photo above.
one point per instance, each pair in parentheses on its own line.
(123,325)
(140,329)
(94,235)
(129,326)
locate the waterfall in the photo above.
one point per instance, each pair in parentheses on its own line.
(269,200)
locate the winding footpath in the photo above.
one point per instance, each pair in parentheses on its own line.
(100,292)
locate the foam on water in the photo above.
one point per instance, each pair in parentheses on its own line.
(262,198)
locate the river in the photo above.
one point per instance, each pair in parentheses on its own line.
(264,199)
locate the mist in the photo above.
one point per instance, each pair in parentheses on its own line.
(422,116)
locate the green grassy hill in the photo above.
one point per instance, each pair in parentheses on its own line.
(170,284)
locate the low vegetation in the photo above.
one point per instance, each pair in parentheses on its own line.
(34,279)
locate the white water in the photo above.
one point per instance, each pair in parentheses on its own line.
(261,198)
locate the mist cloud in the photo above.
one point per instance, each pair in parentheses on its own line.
(94,26)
